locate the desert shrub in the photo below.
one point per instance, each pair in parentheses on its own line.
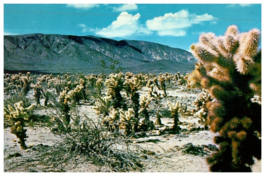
(90,141)
(230,69)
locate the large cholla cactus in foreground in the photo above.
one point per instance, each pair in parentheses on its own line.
(19,115)
(230,69)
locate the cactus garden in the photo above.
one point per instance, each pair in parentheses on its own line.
(206,120)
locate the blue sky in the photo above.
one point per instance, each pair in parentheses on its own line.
(175,25)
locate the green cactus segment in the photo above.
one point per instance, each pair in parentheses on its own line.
(18,115)
(230,69)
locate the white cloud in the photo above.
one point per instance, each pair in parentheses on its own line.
(172,32)
(198,33)
(10,33)
(125,7)
(125,25)
(245,5)
(213,22)
(238,5)
(85,28)
(83,6)
(175,24)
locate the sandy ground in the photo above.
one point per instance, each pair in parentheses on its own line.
(168,148)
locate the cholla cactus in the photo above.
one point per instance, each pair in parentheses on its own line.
(127,121)
(202,99)
(76,94)
(99,85)
(25,84)
(92,80)
(175,110)
(230,70)
(37,92)
(151,86)
(19,115)
(155,81)
(103,105)
(146,123)
(182,80)
(115,85)
(163,85)
(64,108)
(131,86)
(158,120)
(112,120)
(55,83)
(62,95)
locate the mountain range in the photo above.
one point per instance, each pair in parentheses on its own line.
(52,53)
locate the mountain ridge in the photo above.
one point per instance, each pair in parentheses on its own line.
(54,53)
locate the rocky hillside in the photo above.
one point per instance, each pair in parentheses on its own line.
(90,54)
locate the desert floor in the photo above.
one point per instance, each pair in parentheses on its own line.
(168,150)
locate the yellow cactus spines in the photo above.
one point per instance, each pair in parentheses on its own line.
(250,42)
(231,30)
(100,81)
(232,77)
(204,53)
(63,94)
(19,115)
(115,86)
(162,85)
(207,39)
(175,110)
(25,82)
(38,89)
(144,102)
(127,121)
(194,78)
(99,85)
(112,120)
(131,86)
(103,105)
(146,123)
(128,75)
